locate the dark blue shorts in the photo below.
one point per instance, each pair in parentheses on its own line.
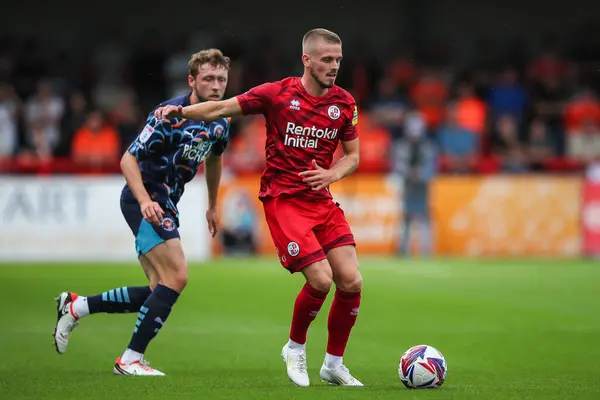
(148,236)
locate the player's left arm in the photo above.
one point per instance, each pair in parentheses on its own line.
(213,168)
(347,164)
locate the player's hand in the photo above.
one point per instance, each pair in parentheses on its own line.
(163,113)
(318,178)
(212,217)
(152,212)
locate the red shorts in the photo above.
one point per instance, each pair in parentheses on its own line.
(304,231)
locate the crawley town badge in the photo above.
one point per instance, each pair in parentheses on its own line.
(293,249)
(333,112)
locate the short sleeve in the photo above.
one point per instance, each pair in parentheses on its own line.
(350,129)
(153,140)
(258,99)
(220,130)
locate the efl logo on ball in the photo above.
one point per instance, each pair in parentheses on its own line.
(334,112)
(293,249)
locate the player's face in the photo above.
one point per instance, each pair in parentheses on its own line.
(211,82)
(324,62)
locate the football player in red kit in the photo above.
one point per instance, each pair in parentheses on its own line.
(306,118)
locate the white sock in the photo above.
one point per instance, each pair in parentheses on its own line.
(296,345)
(332,361)
(80,307)
(131,356)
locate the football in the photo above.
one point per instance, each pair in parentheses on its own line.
(422,367)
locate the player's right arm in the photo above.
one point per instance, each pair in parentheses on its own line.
(255,101)
(151,142)
(151,210)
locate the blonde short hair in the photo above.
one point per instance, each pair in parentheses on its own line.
(327,35)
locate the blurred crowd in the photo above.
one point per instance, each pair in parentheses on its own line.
(533,112)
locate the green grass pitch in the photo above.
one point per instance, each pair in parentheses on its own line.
(508,329)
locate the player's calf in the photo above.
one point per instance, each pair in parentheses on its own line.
(310,300)
(346,303)
(169,263)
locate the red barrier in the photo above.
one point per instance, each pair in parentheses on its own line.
(33,166)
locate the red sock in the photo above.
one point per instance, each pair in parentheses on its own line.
(307,306)
(342,317)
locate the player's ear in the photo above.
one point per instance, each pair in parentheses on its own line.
(306,60)
(191,81)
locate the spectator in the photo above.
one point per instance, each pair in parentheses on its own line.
(414,159)
(246,152)
(584,143)
(374,146)
(388,108)
(96,142)
(458,146)
(73,119)
(43,115)
(508,96)
(127,118)
(549,98)
(582,107)
(507,145)
(540,145)
(429,95)
(9,109)
(38,149)
(471,112)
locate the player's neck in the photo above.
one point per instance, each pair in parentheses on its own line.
(194,99)
(313,87)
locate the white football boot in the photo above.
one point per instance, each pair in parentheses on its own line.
(66,320)
(136,368)
(338,375)
(295,361)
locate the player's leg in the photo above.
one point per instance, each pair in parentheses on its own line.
(307,305)
(338,243)
(169,262)
(298,250)
(119,300)
(71,307)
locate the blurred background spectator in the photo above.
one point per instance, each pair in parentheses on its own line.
(415,161)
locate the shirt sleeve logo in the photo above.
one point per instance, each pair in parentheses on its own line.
(355,116)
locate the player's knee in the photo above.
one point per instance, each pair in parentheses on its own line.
(321,283)
(180,279)
(350,283)
(319,276)
(176,277)
(153,282)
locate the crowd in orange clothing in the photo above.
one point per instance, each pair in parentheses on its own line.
(539,116)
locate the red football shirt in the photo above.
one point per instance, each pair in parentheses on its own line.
(300,128)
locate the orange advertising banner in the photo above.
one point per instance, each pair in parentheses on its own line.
(499,216)
(372,204)
(507,216)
